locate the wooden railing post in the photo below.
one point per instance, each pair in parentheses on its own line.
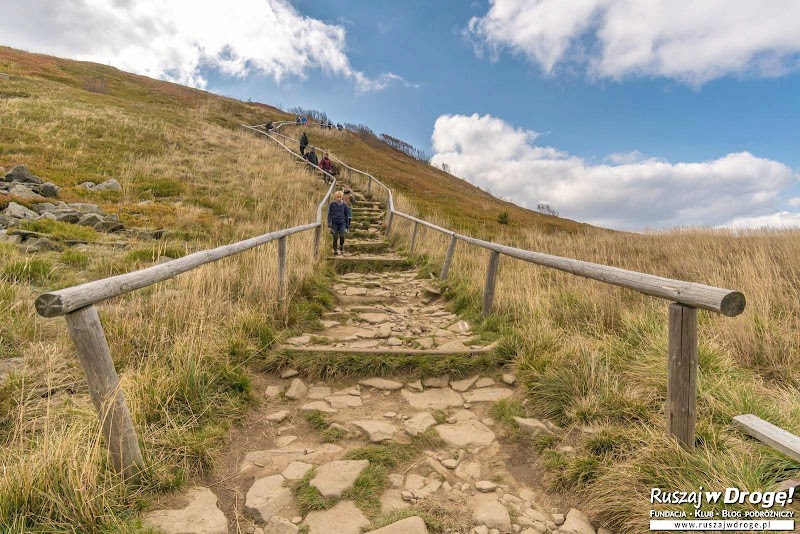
(369,185)
(448,257)
(104,389)
(413,239)
(389,223)
(491,282)
(317,240)
(281,270)
(682,374)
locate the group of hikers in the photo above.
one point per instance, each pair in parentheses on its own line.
(311,156)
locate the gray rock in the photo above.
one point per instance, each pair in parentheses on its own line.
(43,207)
(66,215)
(266,497)
(485,486)
(21,174)
(201,516)
(377,430)
(296,470)
(289,373)
(532,426)
(48,189)
(576,523)
(318,392)
(344,518)
(21,191)
(487,511)
(344,401)
(487,395)
(108,185)
(333,478)
(18,211)
(381,383)
(510,379)
(433,399)
(464,385)
(108,226)
(297,390)
(321,406)
(466,434)
(86,185)
(484,383)
(85,207)
(419,423)
(277,417)
(90,219)
(436,382)
(409,525)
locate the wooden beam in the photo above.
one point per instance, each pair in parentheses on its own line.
(448,258)
(682,374)
(774,436)
(491,283)
(389,223)
(413,239)
(104,389)
(281,270)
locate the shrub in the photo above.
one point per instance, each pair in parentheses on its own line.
(61,230)
(502,218)
(96,85)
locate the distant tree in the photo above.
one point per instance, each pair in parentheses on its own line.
(545,208)
(312,115)
(405,148)
(502,218)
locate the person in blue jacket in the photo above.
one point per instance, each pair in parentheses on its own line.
(338,221)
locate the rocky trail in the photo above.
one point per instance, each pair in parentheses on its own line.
(407,455)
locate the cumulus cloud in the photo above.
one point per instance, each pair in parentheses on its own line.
(690,41)
(179,40)
(781,219)
(646,193)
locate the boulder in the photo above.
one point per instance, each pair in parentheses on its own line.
(18,211)
(108,226)
(377,430)
(488,511)
(266,497)
(21,174)
(466,434)
(344,518)
(90,219)
(419,423)
(381,383)
(66,215)
(201,516)
(409,525)
(48,190)
(108,185)
(334,478)
(85,207)
(433,399)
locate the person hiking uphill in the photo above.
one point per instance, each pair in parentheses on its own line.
(327,166)
(303,143)
(311,157)
(338,221)
(347,198)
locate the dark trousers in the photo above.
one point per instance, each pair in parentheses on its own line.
(302,150)
(338,233)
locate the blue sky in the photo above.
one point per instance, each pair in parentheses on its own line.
(620,113)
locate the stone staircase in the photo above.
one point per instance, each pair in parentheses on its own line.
(386,456)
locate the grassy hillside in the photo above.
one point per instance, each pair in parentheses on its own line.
(592,357)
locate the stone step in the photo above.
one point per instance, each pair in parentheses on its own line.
(366,264)
(360,233)
(322,349)
(367,246)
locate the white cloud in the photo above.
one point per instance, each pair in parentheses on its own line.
(781,219)
(651,193)
(794,202)
(681,39)
(620,158)
(179,39)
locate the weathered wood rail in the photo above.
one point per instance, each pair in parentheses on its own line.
(76,304)
(685,299)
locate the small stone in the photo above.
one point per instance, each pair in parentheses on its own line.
(266,497)
(108,185)
(385,331)
(419,423)
(434,399)
(377,430)
(344,401)
(484,383)
(297,390)
(381,383)
(407,495)
(415,386)
(438,382)
(464,385)
(297,520)
(394,342)
(485,486)
(558,519)
(272,391)
(510,379)
(18,211)
(491,513)
(425,342)
(277,417)
(466,434)
(487,394)
(279,525)
(374,318)
(298,340)
(390,415)
(450,463)
(289,373)
(414,482)
(283,441)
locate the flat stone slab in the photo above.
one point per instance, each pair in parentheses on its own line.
(377,430)
(487,394)
(344,518)
(392,500)
(201,516)
(322,406)
(344,401)
(486,510)
(464,385)
(267,497)
(296,470)
(318,392)
(374,318)
(433,399)
(382,383)
(297,390)
(409,525)
(419,423)
(333,478)
(469,433)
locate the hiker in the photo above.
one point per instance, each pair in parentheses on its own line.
(269,126)
(347,197)
(303,144)
(338,222)
(326,164)
(311,157)
(339,126)
(297,120)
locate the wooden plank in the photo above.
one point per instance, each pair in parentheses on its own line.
(682,374)
(491,283)
(448,258)
(317,241)
(67,300)
(413,239)
(724,301)
(774,436)
(104,389)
